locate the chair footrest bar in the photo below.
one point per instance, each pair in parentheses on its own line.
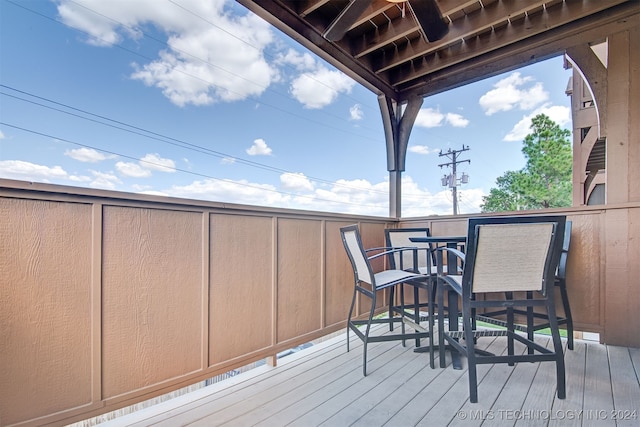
(499,322)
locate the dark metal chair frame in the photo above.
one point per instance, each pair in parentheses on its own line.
(560,283)
(398,260)
(464,287)
(368,283)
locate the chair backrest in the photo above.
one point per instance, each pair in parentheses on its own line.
(512,253)
(399,238)
(562,266)
(357,255)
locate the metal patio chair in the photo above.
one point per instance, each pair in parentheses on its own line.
(505,256)
(414,257)
(369,284)
(560,283)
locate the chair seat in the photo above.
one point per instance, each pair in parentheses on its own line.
(391,277)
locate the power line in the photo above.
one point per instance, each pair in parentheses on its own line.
(452,179)
(163,138)
(177,169)
(208,82)
(166,139)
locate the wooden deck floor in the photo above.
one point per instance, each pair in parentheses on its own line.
(324,385)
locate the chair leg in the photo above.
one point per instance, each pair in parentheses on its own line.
(353,303)
(562,284)
(530,322)
(366,333)
(430,306)
(471,353)
(441,341)
(416,310)
(557,348)
(392,291)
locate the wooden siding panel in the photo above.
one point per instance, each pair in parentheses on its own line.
(584,273)
(339,276)
(45,308)
(622,317)
(152,297)
(300,267)
(240,307)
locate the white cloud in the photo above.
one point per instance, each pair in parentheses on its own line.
(429,118)
(301,61)
(358,196)
(295,182)
(27,171)
(559,114)
(155,162)
(420,202)
(104,180)
(228,160)
(421,149)
(355,113)
(432,117)
(212,55)
(242,191)
(132,170)
(319,88)
(508,94)
(1,135)
(457,120)
(88,155)
(259,148)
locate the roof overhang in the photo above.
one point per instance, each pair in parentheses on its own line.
(385,49)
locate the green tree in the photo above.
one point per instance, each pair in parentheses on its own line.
(545,181)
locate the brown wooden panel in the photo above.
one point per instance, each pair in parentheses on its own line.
(339,275)
(45,308)
(152,297)
(622,320)
(584,273)
(299,277)
(241,301)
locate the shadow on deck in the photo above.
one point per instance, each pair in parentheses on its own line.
(323,385)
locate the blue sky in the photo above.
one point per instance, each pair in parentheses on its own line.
(204,100)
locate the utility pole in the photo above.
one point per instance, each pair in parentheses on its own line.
(452,179)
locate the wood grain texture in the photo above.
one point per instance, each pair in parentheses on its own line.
(300,265)
(339,275)
(45,308)
(241,284)
(584,272)
(152,293)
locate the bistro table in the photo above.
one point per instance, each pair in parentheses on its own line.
(452,302)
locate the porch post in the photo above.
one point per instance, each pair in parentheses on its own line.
(398,120)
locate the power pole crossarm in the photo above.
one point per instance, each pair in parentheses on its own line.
(452,180)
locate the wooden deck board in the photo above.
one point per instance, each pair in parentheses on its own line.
(513,394)
(626,386)
(324,385)
(597,390)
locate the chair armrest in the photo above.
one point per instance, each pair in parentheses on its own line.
(381,248)
(390,250)
(399,250)
(439,253)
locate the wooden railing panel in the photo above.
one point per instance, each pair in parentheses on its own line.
(337,293)
(242,286)
(151,297)
(621,290)
(300,279)
(108,298)
(45,308)
(584,268)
